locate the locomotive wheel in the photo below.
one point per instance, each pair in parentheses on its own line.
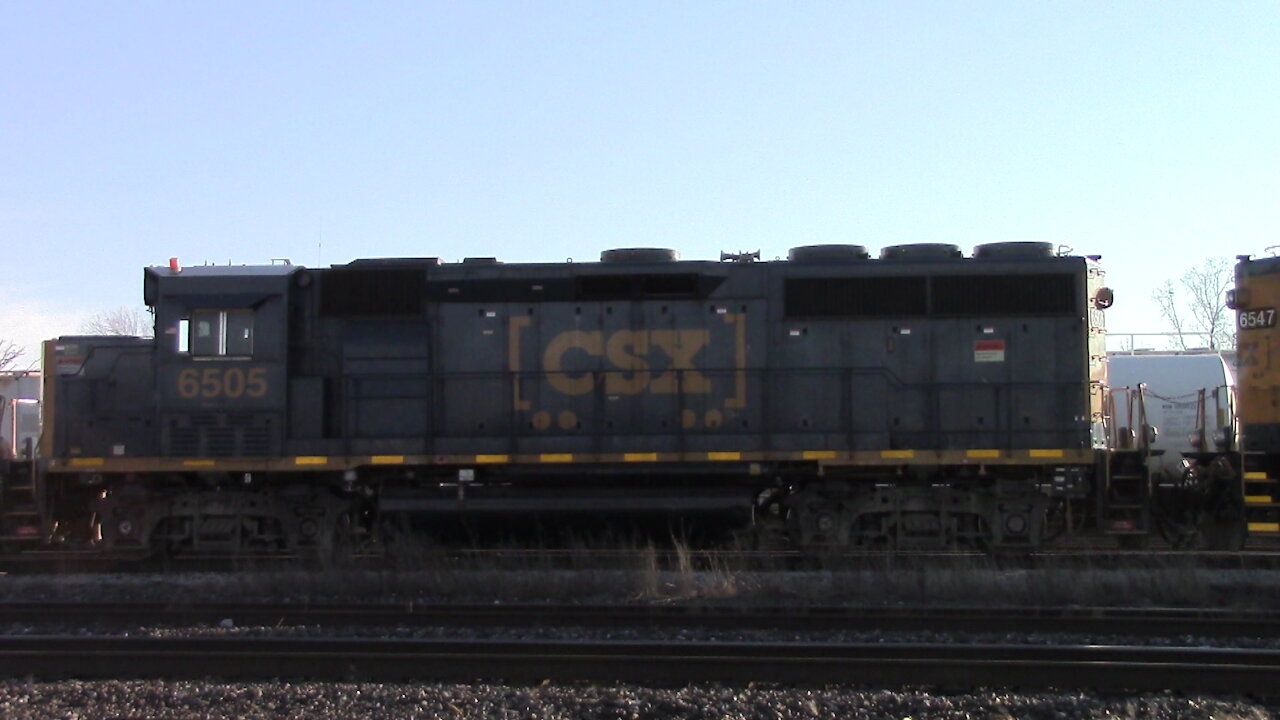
(816,520)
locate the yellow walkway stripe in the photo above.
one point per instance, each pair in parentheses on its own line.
(198,463)
(898,454)
(388,459)
(311,460)
(1046,453)
(1255,476)
(86,462)
(724,456)
(556,457)
(975,454)
(819,455)
(491,459)
(640,457)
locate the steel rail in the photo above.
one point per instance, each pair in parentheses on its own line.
(951,666)
(1154,622)
(54,561)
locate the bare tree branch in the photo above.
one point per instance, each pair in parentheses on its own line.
(1200,291)
(121,321)
(1167,300)
(9,354)
(1205,286)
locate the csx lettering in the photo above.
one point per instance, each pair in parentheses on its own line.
(628,352)
(218,382)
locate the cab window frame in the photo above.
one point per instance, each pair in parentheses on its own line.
(217,334)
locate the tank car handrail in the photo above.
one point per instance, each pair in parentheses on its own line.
(1135,399)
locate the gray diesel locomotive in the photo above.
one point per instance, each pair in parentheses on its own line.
(921,399)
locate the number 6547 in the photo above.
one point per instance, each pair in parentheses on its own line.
(218,382)
(1263,318)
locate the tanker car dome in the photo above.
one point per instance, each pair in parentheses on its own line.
(823,254)
(639,255)
(1019,250)
(921,251)
(480,261)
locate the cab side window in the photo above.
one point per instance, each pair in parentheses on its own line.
(221,333)
(239,333)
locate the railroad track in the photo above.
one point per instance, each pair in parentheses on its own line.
(1131,622)
(949,666)
(38,562)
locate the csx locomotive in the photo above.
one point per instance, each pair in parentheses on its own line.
(918,399)
(1255,298)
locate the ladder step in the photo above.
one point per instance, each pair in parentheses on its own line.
(1264,527)
(1256,500)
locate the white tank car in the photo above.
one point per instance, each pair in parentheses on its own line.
(1174,381)
(19,412)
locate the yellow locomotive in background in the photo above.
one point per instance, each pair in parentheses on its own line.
(1255,299)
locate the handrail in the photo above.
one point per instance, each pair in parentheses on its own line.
(1126,437)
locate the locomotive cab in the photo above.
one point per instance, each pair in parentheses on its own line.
(220,359)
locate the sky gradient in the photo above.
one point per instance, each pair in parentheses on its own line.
(1145,132)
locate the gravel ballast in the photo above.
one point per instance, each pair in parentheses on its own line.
(1166,587)
(339,701)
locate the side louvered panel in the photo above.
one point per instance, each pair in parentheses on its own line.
(219,435)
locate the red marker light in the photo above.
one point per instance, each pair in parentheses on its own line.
(174,266)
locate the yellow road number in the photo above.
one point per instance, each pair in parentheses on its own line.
(218,382)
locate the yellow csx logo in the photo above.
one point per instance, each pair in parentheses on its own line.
(629,353)
(634,362)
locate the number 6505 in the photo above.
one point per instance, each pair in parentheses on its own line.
(216,382)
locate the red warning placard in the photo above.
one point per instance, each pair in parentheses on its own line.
(988,351)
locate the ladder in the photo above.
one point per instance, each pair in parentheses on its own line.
(1262,494)
(21,514)
(1124,498)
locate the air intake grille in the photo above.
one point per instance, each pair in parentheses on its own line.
(373,291)
(218,435)
(1005,295)
(856,297)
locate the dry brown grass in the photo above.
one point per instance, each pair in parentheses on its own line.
(647,574)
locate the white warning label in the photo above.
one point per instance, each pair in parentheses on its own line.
(988,351)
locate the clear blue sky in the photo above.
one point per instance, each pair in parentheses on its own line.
(1147,132)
